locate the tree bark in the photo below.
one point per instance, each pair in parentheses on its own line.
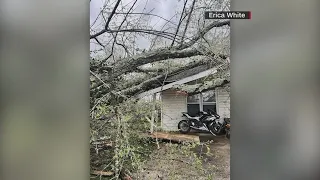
(202,87)
(147,84)
(183,51)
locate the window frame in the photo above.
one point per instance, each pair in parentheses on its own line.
(201,103)
(198,102)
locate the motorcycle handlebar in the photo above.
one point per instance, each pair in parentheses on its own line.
(211,112)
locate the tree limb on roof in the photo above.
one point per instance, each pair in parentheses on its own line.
(202,87)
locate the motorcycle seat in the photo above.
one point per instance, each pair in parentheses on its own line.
(190,117)
(196,118)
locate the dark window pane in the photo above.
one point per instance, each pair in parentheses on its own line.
(209,96)
(211,107)
(193,109)
(194,98)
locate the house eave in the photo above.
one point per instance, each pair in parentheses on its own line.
(179,82)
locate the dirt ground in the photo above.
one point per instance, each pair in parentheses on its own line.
(169,162)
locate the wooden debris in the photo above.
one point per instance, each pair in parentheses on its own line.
(102,173)
(102,144)
(174,137)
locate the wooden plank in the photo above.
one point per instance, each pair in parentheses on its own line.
(175,137)
(102,173)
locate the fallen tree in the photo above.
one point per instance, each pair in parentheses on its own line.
(122,66)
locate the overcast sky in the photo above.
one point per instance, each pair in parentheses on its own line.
(163,8)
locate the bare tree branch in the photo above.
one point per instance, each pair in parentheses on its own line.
(167,35)
(115,36)
(96,38)
(200,34)
(188,21)
(180,21)
(107,21)
(150,14)
(111,15)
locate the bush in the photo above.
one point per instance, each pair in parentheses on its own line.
(122,127)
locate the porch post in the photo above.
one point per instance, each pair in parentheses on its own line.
(153,112)
(201,101)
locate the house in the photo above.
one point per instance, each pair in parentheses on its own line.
(174,101)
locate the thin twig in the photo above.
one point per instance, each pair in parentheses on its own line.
(150,14)
(180,21)
(188,21)
(112,13)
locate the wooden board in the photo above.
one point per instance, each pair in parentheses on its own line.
(175,136)
(102,173)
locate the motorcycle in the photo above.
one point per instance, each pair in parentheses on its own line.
(204,121)
(221,126)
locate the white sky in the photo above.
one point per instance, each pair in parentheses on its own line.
(163,8)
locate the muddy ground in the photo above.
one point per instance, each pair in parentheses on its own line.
(171,161)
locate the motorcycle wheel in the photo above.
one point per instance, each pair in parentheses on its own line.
(215,131)
(184,126)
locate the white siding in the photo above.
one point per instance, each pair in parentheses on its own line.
(223,102)
(149,98)
(173,104)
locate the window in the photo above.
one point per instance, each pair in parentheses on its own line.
(201,102)
(193,104)
(209,101)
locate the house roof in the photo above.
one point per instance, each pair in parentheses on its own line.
(196,74)
(187,73)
